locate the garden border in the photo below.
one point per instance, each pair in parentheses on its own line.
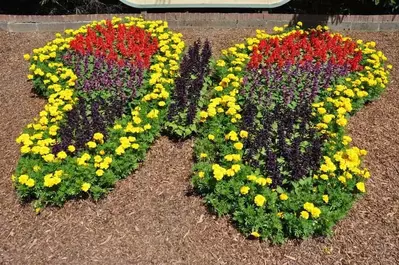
(39,23)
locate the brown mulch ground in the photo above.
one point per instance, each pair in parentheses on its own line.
(149,219)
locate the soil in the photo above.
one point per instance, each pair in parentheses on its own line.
(149,218)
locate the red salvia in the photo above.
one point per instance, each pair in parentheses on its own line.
(301,47)
(118,44)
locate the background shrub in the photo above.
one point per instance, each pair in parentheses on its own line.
(45,7)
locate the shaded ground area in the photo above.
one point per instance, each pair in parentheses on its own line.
(149,219)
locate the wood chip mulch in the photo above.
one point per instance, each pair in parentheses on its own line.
(149,218)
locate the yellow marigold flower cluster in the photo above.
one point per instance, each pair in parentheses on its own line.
(259,180)
(46,127)
(51,180)
(233,157)
(310,208)
(26,180)
(218,172)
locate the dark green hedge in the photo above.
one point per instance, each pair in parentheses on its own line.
(358,7)
(62,7)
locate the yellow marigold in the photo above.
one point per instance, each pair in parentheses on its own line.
(305,215)
(327,118)
(342,179)
(85,186)
(58,173)
(363,152)
(321,126)
(308,206)
(23,179)
(136,120)
(219,88)
(238,145)
(324,176)
(255,234)
(232,136)
(201,174)
(97,159)
(366,174)
(91,144)
(259,200)
(61,155)
(117,127)
(211,137)
(211,112)
(321,110)
(98,136)
(120,150)
(30,183)
(54,79)
(50,180)
(346,140)
(218,172)
(342,121)
(325,198)
(25,149)
(99,172)
(48,157)
(203,155)
(71,148)
(361,187)
(283,197)
(230,172)
(229,157)
(67,107)
(243,134)
(220,63)
(203,114)
(315,212)
(244,190)
(153,114)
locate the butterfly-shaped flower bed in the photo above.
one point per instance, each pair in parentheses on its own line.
(269,118)
(272,151)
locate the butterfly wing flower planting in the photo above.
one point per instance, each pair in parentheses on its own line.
(108,86)
(269,115)
(281,164)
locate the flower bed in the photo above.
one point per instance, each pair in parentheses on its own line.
(108,86)
(269,116)
(281,165)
